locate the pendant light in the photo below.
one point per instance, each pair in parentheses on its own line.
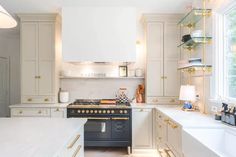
(6,20)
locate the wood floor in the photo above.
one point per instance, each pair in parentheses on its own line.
(113,152)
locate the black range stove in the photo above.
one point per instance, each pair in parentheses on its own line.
(108,125)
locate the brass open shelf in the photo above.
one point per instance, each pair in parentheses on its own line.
(198,69)
(193,42)
(195,15)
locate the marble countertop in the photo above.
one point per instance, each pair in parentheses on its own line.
(60,105)
(36,137)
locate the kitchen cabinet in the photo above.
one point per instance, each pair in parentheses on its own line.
(39,73)
(169,135)
(162,76)
(53,112)
(142,130)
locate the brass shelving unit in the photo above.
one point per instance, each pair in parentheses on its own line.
(203,70)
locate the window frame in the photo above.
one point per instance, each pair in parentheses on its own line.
(219,79)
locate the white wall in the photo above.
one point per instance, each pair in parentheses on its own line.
(10,47)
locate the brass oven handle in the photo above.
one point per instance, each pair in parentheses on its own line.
(74,141)
(76,151)
(120,118)
(97,118)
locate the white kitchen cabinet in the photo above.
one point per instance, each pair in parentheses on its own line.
(58,112)
(162,76)
(53,112)
(142,130)
(169,135)
(39,80)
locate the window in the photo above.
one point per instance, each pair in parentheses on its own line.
(229,52)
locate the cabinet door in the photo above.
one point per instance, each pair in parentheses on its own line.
(154,81)
(46,58)
(171,57)
(29,53)
(142,128)
(58,112)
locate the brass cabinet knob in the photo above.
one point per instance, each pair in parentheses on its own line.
(57,109)
(30,99)
(37,77)
(39,112)
(20,112)
(172,100)
(141,110)
(46,99)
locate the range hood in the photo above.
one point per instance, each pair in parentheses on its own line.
(99,34)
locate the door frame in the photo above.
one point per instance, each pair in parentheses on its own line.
(8,85)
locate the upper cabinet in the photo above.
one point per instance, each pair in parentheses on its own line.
(162,76)
(99,34)
(39,77)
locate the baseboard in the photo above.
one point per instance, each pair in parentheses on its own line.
(144,151)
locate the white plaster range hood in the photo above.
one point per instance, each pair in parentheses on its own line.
(99,34)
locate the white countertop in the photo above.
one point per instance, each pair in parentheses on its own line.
(60,105)
(36,137)
(189,118)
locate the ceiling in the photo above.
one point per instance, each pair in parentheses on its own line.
(39,6)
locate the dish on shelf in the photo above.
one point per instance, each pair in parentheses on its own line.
(194,41)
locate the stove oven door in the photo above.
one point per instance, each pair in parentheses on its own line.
(97,128)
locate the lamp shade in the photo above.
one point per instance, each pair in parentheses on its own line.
(187,93)
(6,20)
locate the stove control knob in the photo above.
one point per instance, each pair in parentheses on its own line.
(125,111)
(87,111)
(108,111)
(121,111)
(104,111)
(95,111)
(99,111)
(79,111)
(83,111)
(91,111)
(112,111)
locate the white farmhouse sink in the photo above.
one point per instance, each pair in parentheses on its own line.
(209,142)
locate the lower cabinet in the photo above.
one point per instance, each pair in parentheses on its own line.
(53,112)
(142,128)
(169,136)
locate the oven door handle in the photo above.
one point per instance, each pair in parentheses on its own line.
(120,118)
(97,118)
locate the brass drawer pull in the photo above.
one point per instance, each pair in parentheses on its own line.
(30,99)
(76,151)
(57,110)
(141,110)
(172,100)
(20,112)
(120,118)
(46,99)
(73,142)
(37,77)
(39,112)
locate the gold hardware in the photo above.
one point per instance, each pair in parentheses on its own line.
(141,110)
(73,142)
(57,109)
(46,99)
(29,99)
(76,151)
(159,138)
(172,100)
(159,126)
(20,112)
(120,118)
(159,116)
(162,77)
(166,120)
(37,77)
(97,118)
(172,124)
(39,112)
(165,77)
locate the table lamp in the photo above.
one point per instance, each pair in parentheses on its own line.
(6,20)
(188,95)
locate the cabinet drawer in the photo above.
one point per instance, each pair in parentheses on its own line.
(38,99)
(30,112)
(163,100)
(58,112)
